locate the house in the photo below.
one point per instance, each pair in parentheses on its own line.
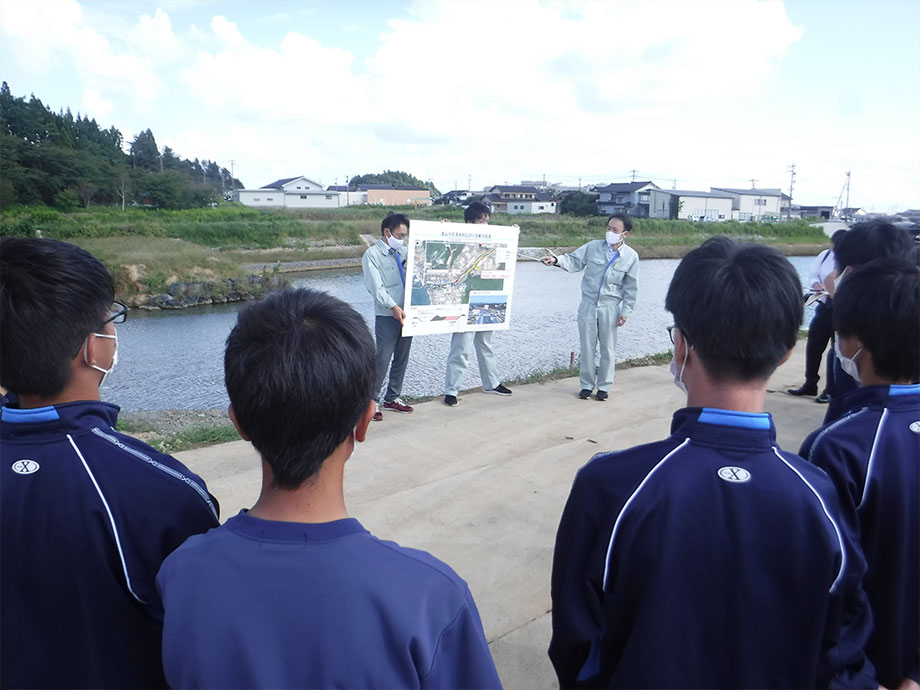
(688,204)
(822,212)
(625,197)
(753,204)
(519,199)
(290,192)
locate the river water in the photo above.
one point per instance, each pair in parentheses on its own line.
(174,359)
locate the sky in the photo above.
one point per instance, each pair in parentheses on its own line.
(687,93)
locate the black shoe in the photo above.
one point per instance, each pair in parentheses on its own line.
(601,395)
(804,389)
(584,394)
(500,390)
(451,400)
(824,398)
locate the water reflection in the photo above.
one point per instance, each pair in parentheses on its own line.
(174,359)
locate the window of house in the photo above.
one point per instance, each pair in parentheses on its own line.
(620,198)
(328,196)
(643,198)
(302,196)
(760,202)
(540,208)
(269,199)
(255,198)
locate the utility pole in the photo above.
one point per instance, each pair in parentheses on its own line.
(469,183)
(579,184)
(232,176)
(753,183)
(673,185)
(633,171)
(848,190)
(791,169)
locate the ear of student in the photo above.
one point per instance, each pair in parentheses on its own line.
(364,422)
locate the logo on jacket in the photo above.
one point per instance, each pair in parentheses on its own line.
(734,474)
(25,466)
(915,427)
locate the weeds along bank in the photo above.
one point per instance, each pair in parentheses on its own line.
(174,259)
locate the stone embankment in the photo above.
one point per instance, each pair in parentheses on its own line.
(181,295)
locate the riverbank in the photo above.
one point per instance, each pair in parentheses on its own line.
(176,259)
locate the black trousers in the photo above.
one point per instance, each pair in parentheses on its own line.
(820,332)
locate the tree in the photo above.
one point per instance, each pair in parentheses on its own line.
(578,204)
(144,151)
(123,186)
(86,191)
(395,178)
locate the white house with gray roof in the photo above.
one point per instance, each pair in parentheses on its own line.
(754,204)
(687,204)
(291,192)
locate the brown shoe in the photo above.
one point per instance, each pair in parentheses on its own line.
(397,406)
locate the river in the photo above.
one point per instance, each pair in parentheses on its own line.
(174,359)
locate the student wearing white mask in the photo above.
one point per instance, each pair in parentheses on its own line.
(608,295)
(88,513)
(713,537)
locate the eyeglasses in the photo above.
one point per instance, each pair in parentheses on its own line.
(118,312)
(675,327)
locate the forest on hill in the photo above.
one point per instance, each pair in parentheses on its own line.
(65,162)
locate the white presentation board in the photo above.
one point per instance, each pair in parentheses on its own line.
(461,276)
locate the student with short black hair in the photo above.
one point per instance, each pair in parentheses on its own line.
(384,267)
(294,592)
(458,359)
(88,513)
(872,453)
(866,241)
(711,558)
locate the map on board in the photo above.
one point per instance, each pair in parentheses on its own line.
(461,274)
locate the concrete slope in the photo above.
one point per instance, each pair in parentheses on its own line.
(482,485)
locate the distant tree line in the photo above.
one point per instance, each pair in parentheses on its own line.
(395,178)
(62,161)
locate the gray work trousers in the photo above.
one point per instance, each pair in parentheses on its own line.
(459,359)
(597,325)
(390,344)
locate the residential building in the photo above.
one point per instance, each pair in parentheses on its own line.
(685,204)
(290,192)
(753,204)
(514,199)
(625,197)
(822,212)
(386,195)
(348,195)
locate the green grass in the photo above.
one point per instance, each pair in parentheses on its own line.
(196,437)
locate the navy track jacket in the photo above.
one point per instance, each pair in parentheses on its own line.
(267,604)
(709,559)
(872,454)
(89,514)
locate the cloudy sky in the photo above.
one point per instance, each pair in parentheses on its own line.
(687,93)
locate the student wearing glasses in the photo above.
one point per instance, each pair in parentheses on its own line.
(88,514)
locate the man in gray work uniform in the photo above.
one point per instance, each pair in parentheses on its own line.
(608,295)
(384,267)
(459,357)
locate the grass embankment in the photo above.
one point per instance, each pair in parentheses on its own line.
(148,250)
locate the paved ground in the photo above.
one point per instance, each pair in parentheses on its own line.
(482,485)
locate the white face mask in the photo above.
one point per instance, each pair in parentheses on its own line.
(105,372)
(848,364)
(679,373)
(614,238)
(395,243)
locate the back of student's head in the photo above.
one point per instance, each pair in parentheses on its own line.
(393,221)
(872,239)
(52,296)
(837,236)
(879,303)
(475,211)
(738,305)
(299,370)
